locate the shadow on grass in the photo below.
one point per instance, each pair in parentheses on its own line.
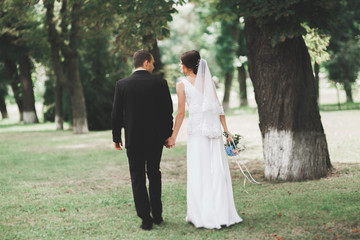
(339,107)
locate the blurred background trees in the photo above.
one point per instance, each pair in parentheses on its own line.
(64,56)
(84,47)
(344,49)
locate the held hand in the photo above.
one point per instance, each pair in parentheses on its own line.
(170,142)
(118,146)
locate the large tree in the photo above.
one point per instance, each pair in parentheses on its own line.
(17,23)
(294,143)
(65,58)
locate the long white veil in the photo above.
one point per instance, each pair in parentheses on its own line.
(210,106)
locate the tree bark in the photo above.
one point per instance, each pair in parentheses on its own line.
(348,91)
(80,124)
(294,143)
(242,84)
(67,72)
(3,109)
(11,70)
(76,92)
(29,111)
(317,81)
(228,80)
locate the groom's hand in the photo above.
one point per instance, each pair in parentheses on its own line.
(118,146)
(170,142)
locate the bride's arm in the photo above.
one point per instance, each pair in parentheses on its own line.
(224,125)
(180,90)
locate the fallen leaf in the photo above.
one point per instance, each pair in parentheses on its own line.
(279,214)
(62,209)
(279,238)
(77,209)
(355,230)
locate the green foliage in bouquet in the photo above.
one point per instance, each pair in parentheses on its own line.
(232,148)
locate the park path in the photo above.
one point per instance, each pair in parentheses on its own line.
(341,129)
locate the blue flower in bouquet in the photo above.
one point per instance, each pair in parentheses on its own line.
(230,151)
(235,147)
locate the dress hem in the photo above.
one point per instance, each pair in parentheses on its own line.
(217,226)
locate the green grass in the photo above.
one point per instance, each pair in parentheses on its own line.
(42,171)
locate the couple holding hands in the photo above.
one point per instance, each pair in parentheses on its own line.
(143,107)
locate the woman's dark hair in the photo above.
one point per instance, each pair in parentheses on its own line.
(191,60)
(140,57)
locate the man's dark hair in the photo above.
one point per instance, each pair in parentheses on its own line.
(140,57)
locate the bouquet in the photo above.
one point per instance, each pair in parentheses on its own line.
(235,146)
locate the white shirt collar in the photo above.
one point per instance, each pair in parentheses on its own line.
(140,69)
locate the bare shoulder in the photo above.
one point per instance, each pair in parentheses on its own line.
(180,85)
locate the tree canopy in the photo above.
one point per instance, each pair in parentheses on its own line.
(286,17)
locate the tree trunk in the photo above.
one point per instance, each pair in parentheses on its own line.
(242,84)
(228,80)
(294,142)
(80,124)
(3,109)
(29,114)
(348,91)
(155,51)
(11,70)
(59,119)
(317,80)
(67,72)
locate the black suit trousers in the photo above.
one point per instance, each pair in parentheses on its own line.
(146,160)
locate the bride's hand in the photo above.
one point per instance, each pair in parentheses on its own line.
(230,137)
(170,142)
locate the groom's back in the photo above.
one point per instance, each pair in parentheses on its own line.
(147,108)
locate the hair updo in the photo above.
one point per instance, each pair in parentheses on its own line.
(191,60)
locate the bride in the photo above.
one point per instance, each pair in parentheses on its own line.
(210,202)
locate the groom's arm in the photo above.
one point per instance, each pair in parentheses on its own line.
(168,110)
(117,117)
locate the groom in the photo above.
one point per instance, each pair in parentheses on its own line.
(142,105)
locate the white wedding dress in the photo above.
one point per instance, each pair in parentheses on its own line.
(210,202)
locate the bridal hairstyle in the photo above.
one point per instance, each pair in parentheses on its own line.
(140,57)
(191,60)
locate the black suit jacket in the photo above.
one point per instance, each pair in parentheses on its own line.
(142,105)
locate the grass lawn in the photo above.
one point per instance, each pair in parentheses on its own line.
(57,185)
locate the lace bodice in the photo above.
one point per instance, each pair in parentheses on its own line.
(194,100)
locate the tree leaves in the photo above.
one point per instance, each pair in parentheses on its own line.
(286,16)
(141,22)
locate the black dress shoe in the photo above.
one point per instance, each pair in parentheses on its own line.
(146,225)
(158,221)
